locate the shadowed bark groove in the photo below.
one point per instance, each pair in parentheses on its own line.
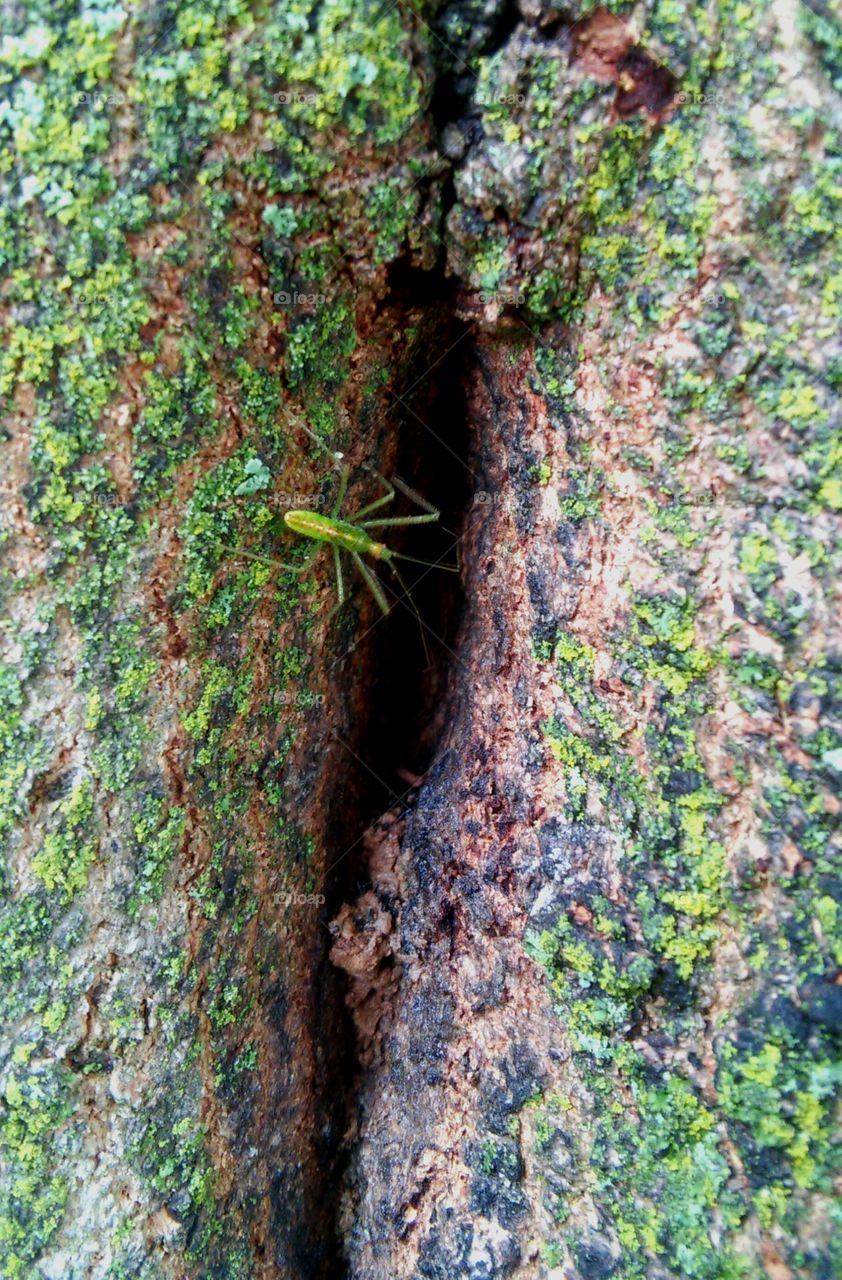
(454,1026)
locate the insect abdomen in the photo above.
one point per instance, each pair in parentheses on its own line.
(311,524)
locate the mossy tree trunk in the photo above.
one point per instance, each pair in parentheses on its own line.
(322,958)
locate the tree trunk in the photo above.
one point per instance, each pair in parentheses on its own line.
(498,935)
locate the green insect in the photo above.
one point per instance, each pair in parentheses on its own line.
(352,533)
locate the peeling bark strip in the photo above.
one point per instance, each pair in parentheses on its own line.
(319,958)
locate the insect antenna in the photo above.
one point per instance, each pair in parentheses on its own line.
(301,567)
(408,595)
(428,564)
(335,455)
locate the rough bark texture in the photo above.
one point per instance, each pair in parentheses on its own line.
(319,960)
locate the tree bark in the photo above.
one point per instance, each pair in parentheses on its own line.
(329,951)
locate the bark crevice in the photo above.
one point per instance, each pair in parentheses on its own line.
(398,670)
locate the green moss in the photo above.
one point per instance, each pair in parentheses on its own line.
(782,1098)
(20,749)
(317,354)
(667,1182)
(661,1165)
(127,291)
(63,861)
(646,219)
(658,1167)
(826,38)
(34,1105)
(86,311)
(24,930)
(159,833)
(581,500)
(671,808)
(173,1157)
(755,383)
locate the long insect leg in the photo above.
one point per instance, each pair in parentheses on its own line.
(344,478)
(389,485)
(395,521)
(371,582)
(340,580)
(388,496)
(414,496)
(373,506)
(340,583)
(432,513)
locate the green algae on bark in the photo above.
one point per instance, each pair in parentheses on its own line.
(159,169)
